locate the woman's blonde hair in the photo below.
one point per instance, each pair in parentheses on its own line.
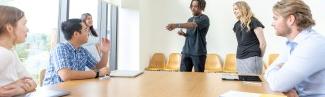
(246,14)
(299,9)
(9,15)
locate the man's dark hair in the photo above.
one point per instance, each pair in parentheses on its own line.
(70,26)
(202,4)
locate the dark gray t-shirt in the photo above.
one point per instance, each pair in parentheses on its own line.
(195,42)
(248,44)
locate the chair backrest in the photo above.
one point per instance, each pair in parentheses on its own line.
(213,63)
(174,61)
(272,57)
(158,60)
(41,76)
(230,63)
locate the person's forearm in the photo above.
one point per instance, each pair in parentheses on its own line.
(189,25)
(76,75)
(281,79)
(262,47)
(261,39)
(103,61)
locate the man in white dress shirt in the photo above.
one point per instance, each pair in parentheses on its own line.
(301,70)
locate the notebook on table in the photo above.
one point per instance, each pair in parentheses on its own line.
(236,77)
(125,73)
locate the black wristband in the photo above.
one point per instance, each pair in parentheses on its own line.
(97,73)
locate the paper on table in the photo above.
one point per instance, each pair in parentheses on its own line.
(247,94)
(239,94)
(48,91)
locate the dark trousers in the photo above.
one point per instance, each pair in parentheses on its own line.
(188,61)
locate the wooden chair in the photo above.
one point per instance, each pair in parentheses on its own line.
(41,76)
(271,59)
(230,63)
(174,62)
(157,62)
(213,63)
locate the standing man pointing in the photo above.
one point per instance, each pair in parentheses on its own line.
(194,50)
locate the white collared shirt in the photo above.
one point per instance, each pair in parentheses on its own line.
(303,68)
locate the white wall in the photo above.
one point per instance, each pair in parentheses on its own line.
(128,36)
(156,14)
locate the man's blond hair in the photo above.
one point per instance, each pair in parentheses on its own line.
(299,9)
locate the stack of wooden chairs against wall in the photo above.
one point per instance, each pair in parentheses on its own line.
(213,63)
(157,62)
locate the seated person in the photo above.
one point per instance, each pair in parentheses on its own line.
(68,60)
(300,71)
(14,79)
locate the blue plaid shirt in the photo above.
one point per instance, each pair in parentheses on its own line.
(66,56)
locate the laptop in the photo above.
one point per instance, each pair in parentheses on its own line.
(236,77)
(125,73)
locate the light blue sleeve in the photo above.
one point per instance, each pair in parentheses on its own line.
(307,60)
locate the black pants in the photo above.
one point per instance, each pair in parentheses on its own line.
(188,61)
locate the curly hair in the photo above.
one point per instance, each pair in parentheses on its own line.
(202,4)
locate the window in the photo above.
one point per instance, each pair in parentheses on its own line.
(42,21)
(78,7)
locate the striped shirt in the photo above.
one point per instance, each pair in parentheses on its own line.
(66,56)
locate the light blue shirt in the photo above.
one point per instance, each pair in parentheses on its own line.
(303,66)
(66,56)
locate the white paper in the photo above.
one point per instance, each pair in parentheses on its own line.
(239,94)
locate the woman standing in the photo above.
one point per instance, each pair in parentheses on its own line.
(250,38)
(93,40)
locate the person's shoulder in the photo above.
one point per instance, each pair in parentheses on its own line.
(313,40)
(4,50)
(204,16)
(83,49)
(254,19)
(256,23)
(61,46)
(5,56)
(238,24)
(317,37)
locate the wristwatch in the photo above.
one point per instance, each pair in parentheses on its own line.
(97,73)
(178,25)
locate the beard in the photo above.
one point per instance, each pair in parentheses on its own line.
(285,32)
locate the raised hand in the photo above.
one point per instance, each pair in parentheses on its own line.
(105,45)
(171,27)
